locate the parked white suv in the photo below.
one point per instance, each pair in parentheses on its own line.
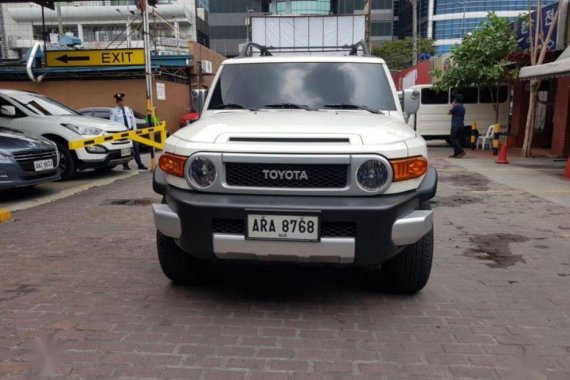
(39,115)
(299,158)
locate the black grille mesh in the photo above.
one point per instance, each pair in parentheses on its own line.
(318,176)
(328,229)
(26,159)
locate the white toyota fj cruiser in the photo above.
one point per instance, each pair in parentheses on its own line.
(299,158)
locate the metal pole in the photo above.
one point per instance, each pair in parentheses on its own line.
(147,65)
(148,76)
(59,25)
(414,32)
(369,26)
(44,39)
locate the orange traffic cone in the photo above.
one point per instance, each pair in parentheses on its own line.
(566,174)
(502,159)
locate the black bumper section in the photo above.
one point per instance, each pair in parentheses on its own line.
(113,158)
(372,216)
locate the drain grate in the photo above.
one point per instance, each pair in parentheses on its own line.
(130,202)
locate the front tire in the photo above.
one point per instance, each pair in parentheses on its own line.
(67,166)
(177,265)
(409,271)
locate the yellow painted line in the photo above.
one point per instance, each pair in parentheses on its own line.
(5,215)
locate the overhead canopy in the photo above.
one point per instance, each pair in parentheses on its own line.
(557,68)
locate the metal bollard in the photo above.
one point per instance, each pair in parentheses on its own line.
(496,139)
(474,133)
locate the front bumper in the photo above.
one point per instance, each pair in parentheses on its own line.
(382,225)
(10,179)
(113,158)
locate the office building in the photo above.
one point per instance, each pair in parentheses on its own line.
(228,19)
(105,24)
(447,22)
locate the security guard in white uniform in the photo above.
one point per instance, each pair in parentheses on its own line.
(125,115)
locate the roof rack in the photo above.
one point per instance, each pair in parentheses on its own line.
(264,51)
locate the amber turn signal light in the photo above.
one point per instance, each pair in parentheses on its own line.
(409,168)
(172,164)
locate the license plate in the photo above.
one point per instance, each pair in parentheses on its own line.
(283,227)
(125,152)
(43,165)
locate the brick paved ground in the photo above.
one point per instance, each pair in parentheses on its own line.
(79,279)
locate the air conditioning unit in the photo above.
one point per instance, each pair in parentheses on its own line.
(207,66)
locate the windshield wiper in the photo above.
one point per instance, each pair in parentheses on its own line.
(289,106)
(225,106)
(347,106)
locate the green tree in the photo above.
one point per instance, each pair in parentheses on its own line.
(398,53)
(481,59)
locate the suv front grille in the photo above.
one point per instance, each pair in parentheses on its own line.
(318,176)
(328,229)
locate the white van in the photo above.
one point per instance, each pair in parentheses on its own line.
(432,121)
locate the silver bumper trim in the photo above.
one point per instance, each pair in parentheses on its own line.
(412,227)
(167,221)
(328,250)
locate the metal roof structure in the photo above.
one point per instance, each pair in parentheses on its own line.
(560,67)
(177,66)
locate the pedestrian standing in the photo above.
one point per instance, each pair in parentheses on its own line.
(125,115)
(457,113)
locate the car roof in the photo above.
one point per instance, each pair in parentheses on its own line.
(95,109)
(8,91)
(304,58)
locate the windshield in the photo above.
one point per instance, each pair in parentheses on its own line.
(315,85)
(43,105)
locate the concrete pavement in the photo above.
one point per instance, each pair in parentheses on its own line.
(539,176)
(82,297)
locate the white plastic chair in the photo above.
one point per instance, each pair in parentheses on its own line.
(486,138)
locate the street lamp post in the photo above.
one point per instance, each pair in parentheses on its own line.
(414,32)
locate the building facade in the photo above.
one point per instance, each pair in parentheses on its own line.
(228,19)
(447,22)
(104,24)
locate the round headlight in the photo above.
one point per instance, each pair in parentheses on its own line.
(202,172)
(372,175)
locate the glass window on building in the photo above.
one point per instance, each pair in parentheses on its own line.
(455,6)
(37,30)
(104,33)
(314,7)
(349,6)
(381,28)
(229,6)
(228,32)
(204,4)
(124,2)
(381,4)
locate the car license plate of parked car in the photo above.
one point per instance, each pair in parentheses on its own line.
(125,152)
(283,227)
(43,165)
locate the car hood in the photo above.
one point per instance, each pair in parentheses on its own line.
(359,127)
(19,141)
(88,121)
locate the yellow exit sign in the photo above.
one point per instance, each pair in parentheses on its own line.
(107,57)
